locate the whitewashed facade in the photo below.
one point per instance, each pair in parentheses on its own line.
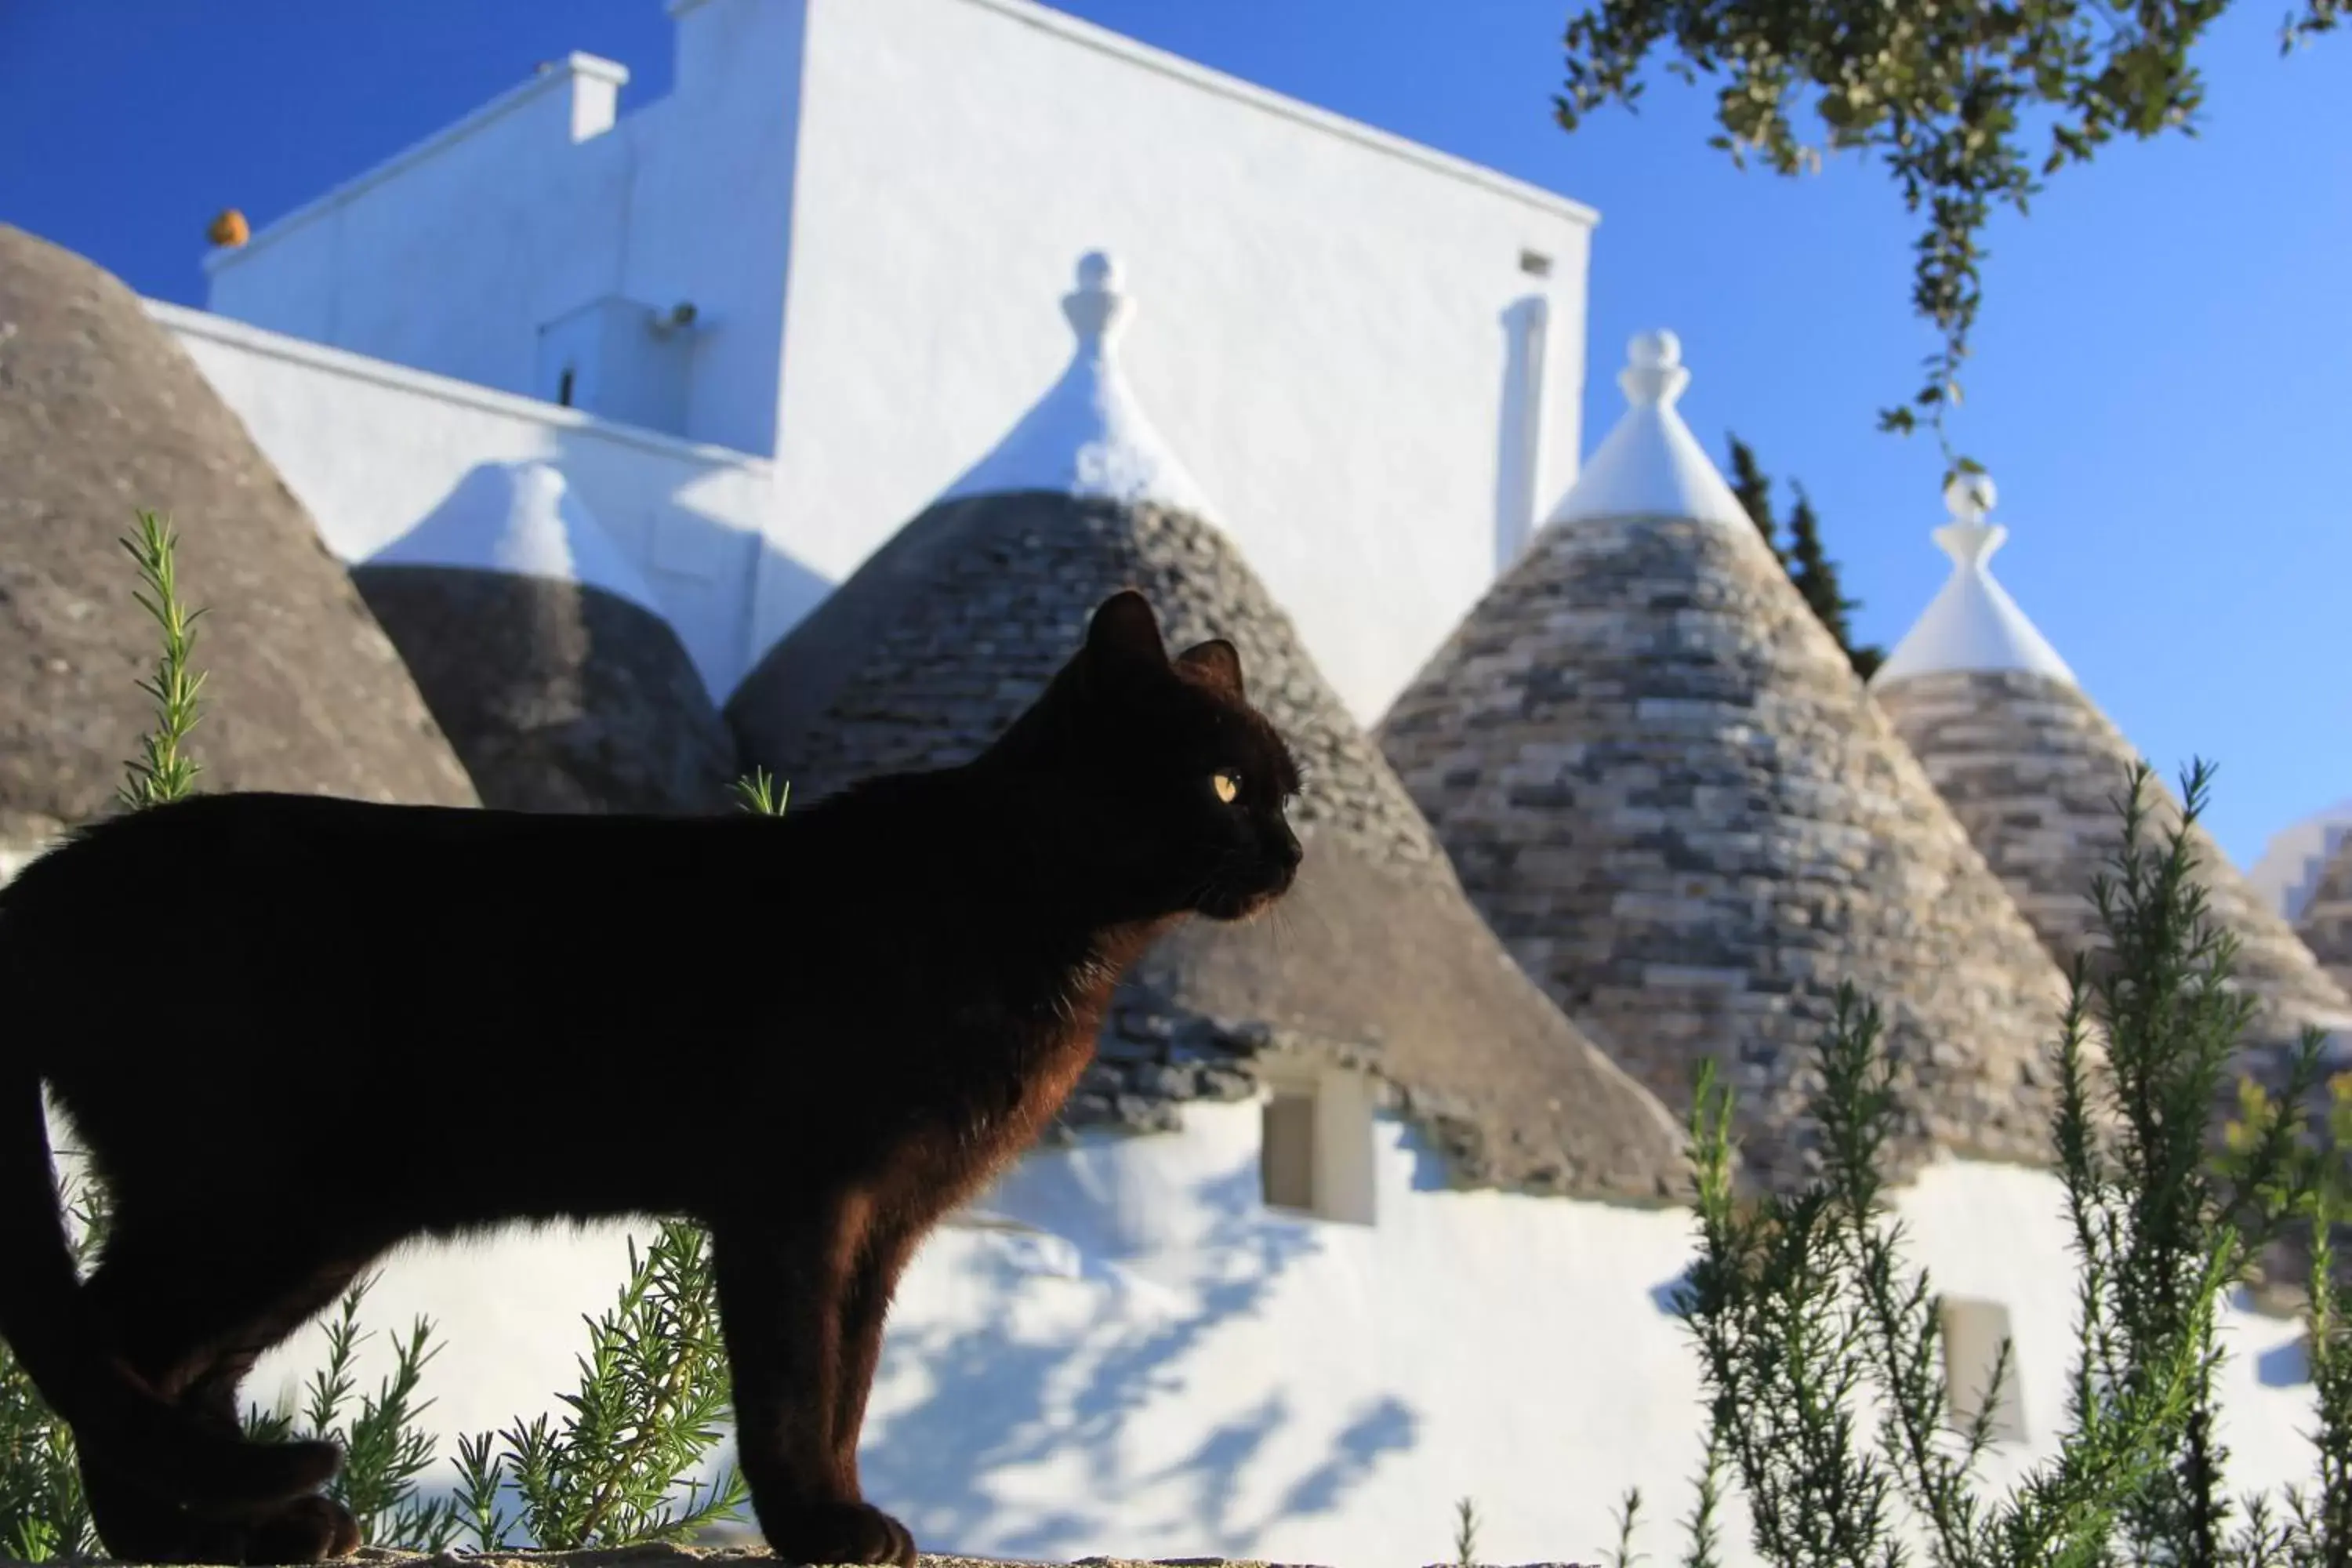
(1364,353)
(868,205)
(1132,1355)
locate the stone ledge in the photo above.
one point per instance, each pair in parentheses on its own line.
(653,1553)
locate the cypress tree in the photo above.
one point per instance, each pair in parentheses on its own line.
(1815,576)
(1755,494)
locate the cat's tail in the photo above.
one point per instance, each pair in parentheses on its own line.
(111,1411)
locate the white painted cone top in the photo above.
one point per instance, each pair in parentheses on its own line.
(1971,624)
(1651,464)
(522,518)
(1088,436)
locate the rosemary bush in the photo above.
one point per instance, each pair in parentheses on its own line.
(384,1453)
(652,1387)
(42,1512)
(1465,1533)
(1820,1348)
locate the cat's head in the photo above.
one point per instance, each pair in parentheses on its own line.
(1184,782)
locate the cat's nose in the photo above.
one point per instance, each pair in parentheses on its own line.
(1293,852)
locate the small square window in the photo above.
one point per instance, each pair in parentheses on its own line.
(1974,1333)
(1288,1163)
(1315,1154)
(1535,264)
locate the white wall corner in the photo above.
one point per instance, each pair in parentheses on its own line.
(596,96)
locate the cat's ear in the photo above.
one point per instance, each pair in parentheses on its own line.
(1216,665)
(1125,634)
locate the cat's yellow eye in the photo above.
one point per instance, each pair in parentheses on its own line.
(1229,785)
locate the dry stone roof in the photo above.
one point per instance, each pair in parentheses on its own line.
(1665,789)
(2033,769)
(1375,959)
(2326,923)
(2288,871)
(543,655)
(102,412)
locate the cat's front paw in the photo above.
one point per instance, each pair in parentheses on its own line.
(306,1530)
(833,1532)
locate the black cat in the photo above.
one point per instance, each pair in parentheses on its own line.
(356,1023)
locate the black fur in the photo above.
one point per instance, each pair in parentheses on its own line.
(813,1036)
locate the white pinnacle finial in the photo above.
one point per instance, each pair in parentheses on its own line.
(1970,496)
(1654,373)
(1969,538)
(1972,625)
(1087,436)
(1650,465)
(1095,308)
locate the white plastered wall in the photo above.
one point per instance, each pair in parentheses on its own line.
(370,448)
(1057,1384)
(874,206)
(1324,324)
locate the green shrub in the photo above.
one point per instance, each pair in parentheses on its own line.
(1820,1348)
(42,1512)
(384,1453)
(653,1389)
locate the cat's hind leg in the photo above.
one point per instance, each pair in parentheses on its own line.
(189,1308)
(782,1280)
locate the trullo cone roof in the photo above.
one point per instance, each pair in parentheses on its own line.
(543,654)
(2032,767)
(1662,785)
(2326,924)
(2288,871)
(102,412)
(950,630)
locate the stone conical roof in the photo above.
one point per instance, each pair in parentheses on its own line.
(2326,923)
(1375,959)
(544,655)
(1662,785)
(102,413)
(2033,768)
(2288,871)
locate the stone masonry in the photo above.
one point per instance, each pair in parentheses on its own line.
(102,413)
(2326,923)
(2033,770)
(982,601)
(1375,959)
(557,696)
(1664,788)
(663,1554)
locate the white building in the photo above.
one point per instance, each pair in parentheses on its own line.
(790,305)
(798,296)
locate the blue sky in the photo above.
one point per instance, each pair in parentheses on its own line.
(2163,380)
